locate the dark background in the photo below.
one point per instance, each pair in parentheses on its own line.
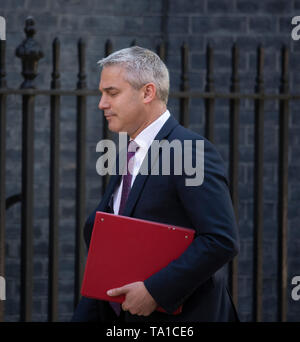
(217,22)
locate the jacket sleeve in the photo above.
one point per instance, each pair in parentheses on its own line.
(210,209)
(86,311)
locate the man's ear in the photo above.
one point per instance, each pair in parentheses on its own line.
(149,92)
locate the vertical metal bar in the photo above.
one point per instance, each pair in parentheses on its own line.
(210,102)
(185,102)
(27,208)
(29,51)
(108,48)
(80,174)
(234,162)
(54,188)
(106,132)
(283,190)
(164,20)
(258,191)
(162,51)
(2,168)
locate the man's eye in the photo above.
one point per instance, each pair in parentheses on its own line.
(113,94)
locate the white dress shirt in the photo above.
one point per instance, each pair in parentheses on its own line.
(144,140)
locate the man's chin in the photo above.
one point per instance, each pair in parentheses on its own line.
(114,128)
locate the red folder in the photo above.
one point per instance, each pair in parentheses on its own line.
(124,250)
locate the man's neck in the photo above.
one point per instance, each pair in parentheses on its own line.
(154,115)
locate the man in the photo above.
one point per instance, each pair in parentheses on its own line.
(135,85)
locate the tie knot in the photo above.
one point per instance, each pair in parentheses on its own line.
(132,147)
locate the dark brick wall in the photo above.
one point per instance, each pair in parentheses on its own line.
(219,23)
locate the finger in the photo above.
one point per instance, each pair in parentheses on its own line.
(124,308)
(117,292)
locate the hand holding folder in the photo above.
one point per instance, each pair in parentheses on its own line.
(125,250)
(137,299)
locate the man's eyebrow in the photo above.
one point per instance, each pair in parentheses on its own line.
(108,89)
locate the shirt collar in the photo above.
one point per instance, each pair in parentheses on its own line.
(145,138)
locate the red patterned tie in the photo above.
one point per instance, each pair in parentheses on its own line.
(132,149)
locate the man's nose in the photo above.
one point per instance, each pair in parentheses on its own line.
(103,103)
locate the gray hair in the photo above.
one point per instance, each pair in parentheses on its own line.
(143,66)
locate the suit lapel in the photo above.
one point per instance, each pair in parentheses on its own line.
(109,191)
(148,163)
(113,181)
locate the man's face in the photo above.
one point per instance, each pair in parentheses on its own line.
(121,103)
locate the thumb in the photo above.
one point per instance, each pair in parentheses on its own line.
(117,292)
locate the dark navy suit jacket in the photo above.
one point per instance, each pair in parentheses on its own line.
(197,279)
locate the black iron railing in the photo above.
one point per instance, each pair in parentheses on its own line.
(29,52)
